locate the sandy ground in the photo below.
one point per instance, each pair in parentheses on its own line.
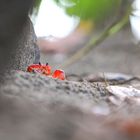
(36,107)
(33,106)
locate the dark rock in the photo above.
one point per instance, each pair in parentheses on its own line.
(17,38)
(27,51)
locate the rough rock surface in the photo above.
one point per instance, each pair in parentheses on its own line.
(27,51)
(39,86)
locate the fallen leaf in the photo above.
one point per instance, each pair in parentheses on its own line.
(123,93)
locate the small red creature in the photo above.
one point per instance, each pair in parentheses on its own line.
(46,70)
(39,68)
(59,74)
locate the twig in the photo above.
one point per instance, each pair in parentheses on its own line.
(112,29)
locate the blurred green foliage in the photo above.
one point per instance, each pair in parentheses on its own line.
(37,4)
(96,10)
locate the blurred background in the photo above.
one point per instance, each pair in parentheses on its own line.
(89,36)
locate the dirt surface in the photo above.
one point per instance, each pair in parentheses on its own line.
(37,107)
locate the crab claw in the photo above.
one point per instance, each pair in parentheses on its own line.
(59,74)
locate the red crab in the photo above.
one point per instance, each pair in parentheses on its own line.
(39,68)
(46,70)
